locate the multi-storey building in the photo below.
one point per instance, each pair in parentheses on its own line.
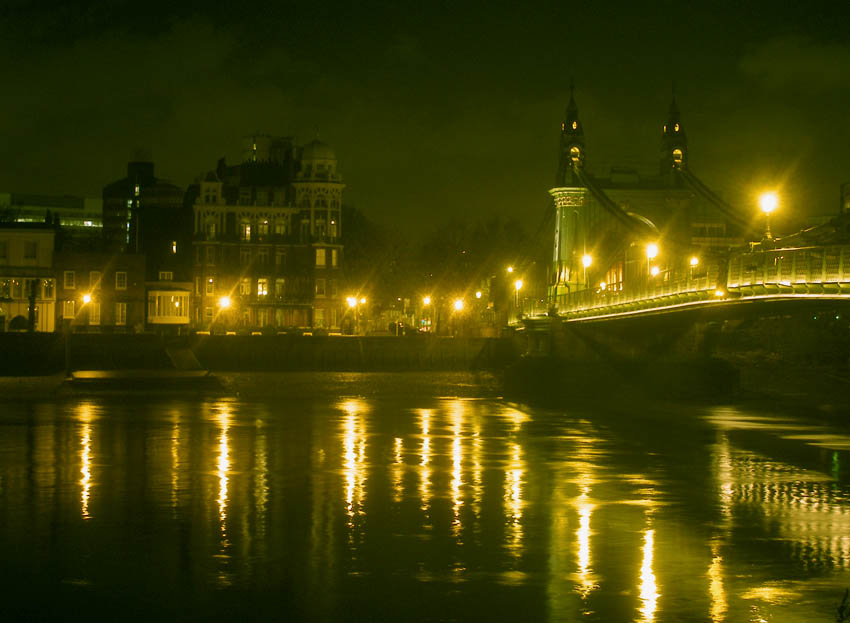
(27,284)
(267,241)
(100,291)
(146,215)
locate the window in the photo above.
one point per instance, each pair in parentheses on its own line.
(319,317)
(332,230)
(94,280)
(280,227)
(210,285)
(321,257)
(94,313)
(245,286)
(305,230)
(334,257)
(68,309)
(30,250)
(166,275)
(120,280)
(262,287)
(174,246)
(262,317)
(263,228)
(208,313)
(197,285)
(211,255)
(4,250)
(280,258)
(17,289)
(279,287)
(263,257)
(48,287)
(69,281)
(211,231)
(120,314)
(320,287)
(245,257)
(677,156)
(332,286)
(245,231)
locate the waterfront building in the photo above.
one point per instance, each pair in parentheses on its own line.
(143,214)
(27,283)
(100,291)
(79,217)
(267,239)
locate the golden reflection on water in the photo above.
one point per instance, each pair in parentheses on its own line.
(354,460)
(586,583)
(398,469)
(261,487)
(457,466)
(175,462)
(425,460)
(715,586)
(648,588)
(222,470)
(513,500)
(84,415)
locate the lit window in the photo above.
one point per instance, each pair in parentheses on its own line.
(575,125)
(676,128)
(68,309)
(245,231)
(334,257)
(120,280)
(47,289)
(136,190)
(321,259)
(263,228)
(174,246)
(69,281)
(94,313)
(245,286)
(320,287)
(166,275)
(262,287)
(575,154)
(120,314)
(210,286)
(677,156)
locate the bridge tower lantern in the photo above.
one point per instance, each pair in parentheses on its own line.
(674,142)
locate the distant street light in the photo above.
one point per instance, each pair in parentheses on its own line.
(363,300)
(458,304)
(694,261)
(768,202)
(518,285)
(224,302)
(426,300)
(86,299)
(510,269)
(478,294)
(352,302)
(602,285)
(586,260)
(654,271)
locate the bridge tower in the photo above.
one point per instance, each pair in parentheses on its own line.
(570,197)
(674,142)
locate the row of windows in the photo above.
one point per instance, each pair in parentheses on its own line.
(263,255)
(69,281)
(30,250)
(22,288)
(323,287)
(93,310)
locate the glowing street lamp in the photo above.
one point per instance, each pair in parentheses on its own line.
(586,260)
(363,300)
(518,285)
(352,302)
(510,269)
(478,294)
(768,202)
(654,271)
(86,299)
(426,300)
(694,261)
(651,251)
(458,304)
(224,302)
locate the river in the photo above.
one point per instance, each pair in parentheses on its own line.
(417,497)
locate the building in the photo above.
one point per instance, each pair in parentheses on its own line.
(27,282)
(267,239)
(143,214)
(100,292)
(605,223)
(80,217)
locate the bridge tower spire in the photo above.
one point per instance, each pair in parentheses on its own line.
(572,143)
(674,142)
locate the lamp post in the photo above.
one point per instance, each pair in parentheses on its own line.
(426,303)
(517,288)
(651,254)
(586,261)
(768,202)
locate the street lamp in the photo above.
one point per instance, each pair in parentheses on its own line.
(510,269)
(768,202)
(352,302)
(694,261)
(458,304)
(224,302)
(426,301)
(86,299)
(478,294)
(651,251)
(586,261)
(654,271)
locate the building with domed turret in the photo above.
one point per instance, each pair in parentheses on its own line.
(267,239)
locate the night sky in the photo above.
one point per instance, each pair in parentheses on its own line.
(435,111)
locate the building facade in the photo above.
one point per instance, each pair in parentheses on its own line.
(27,282)
(145,215)
(267,240)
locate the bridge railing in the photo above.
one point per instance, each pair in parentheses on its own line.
(805,270)
(801,270)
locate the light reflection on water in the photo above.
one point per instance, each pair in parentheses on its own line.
(552,517)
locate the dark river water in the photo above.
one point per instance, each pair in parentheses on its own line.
(346,497)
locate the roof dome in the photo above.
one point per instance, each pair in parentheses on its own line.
(317,150)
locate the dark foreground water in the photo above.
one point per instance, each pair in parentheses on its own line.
(389,498)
